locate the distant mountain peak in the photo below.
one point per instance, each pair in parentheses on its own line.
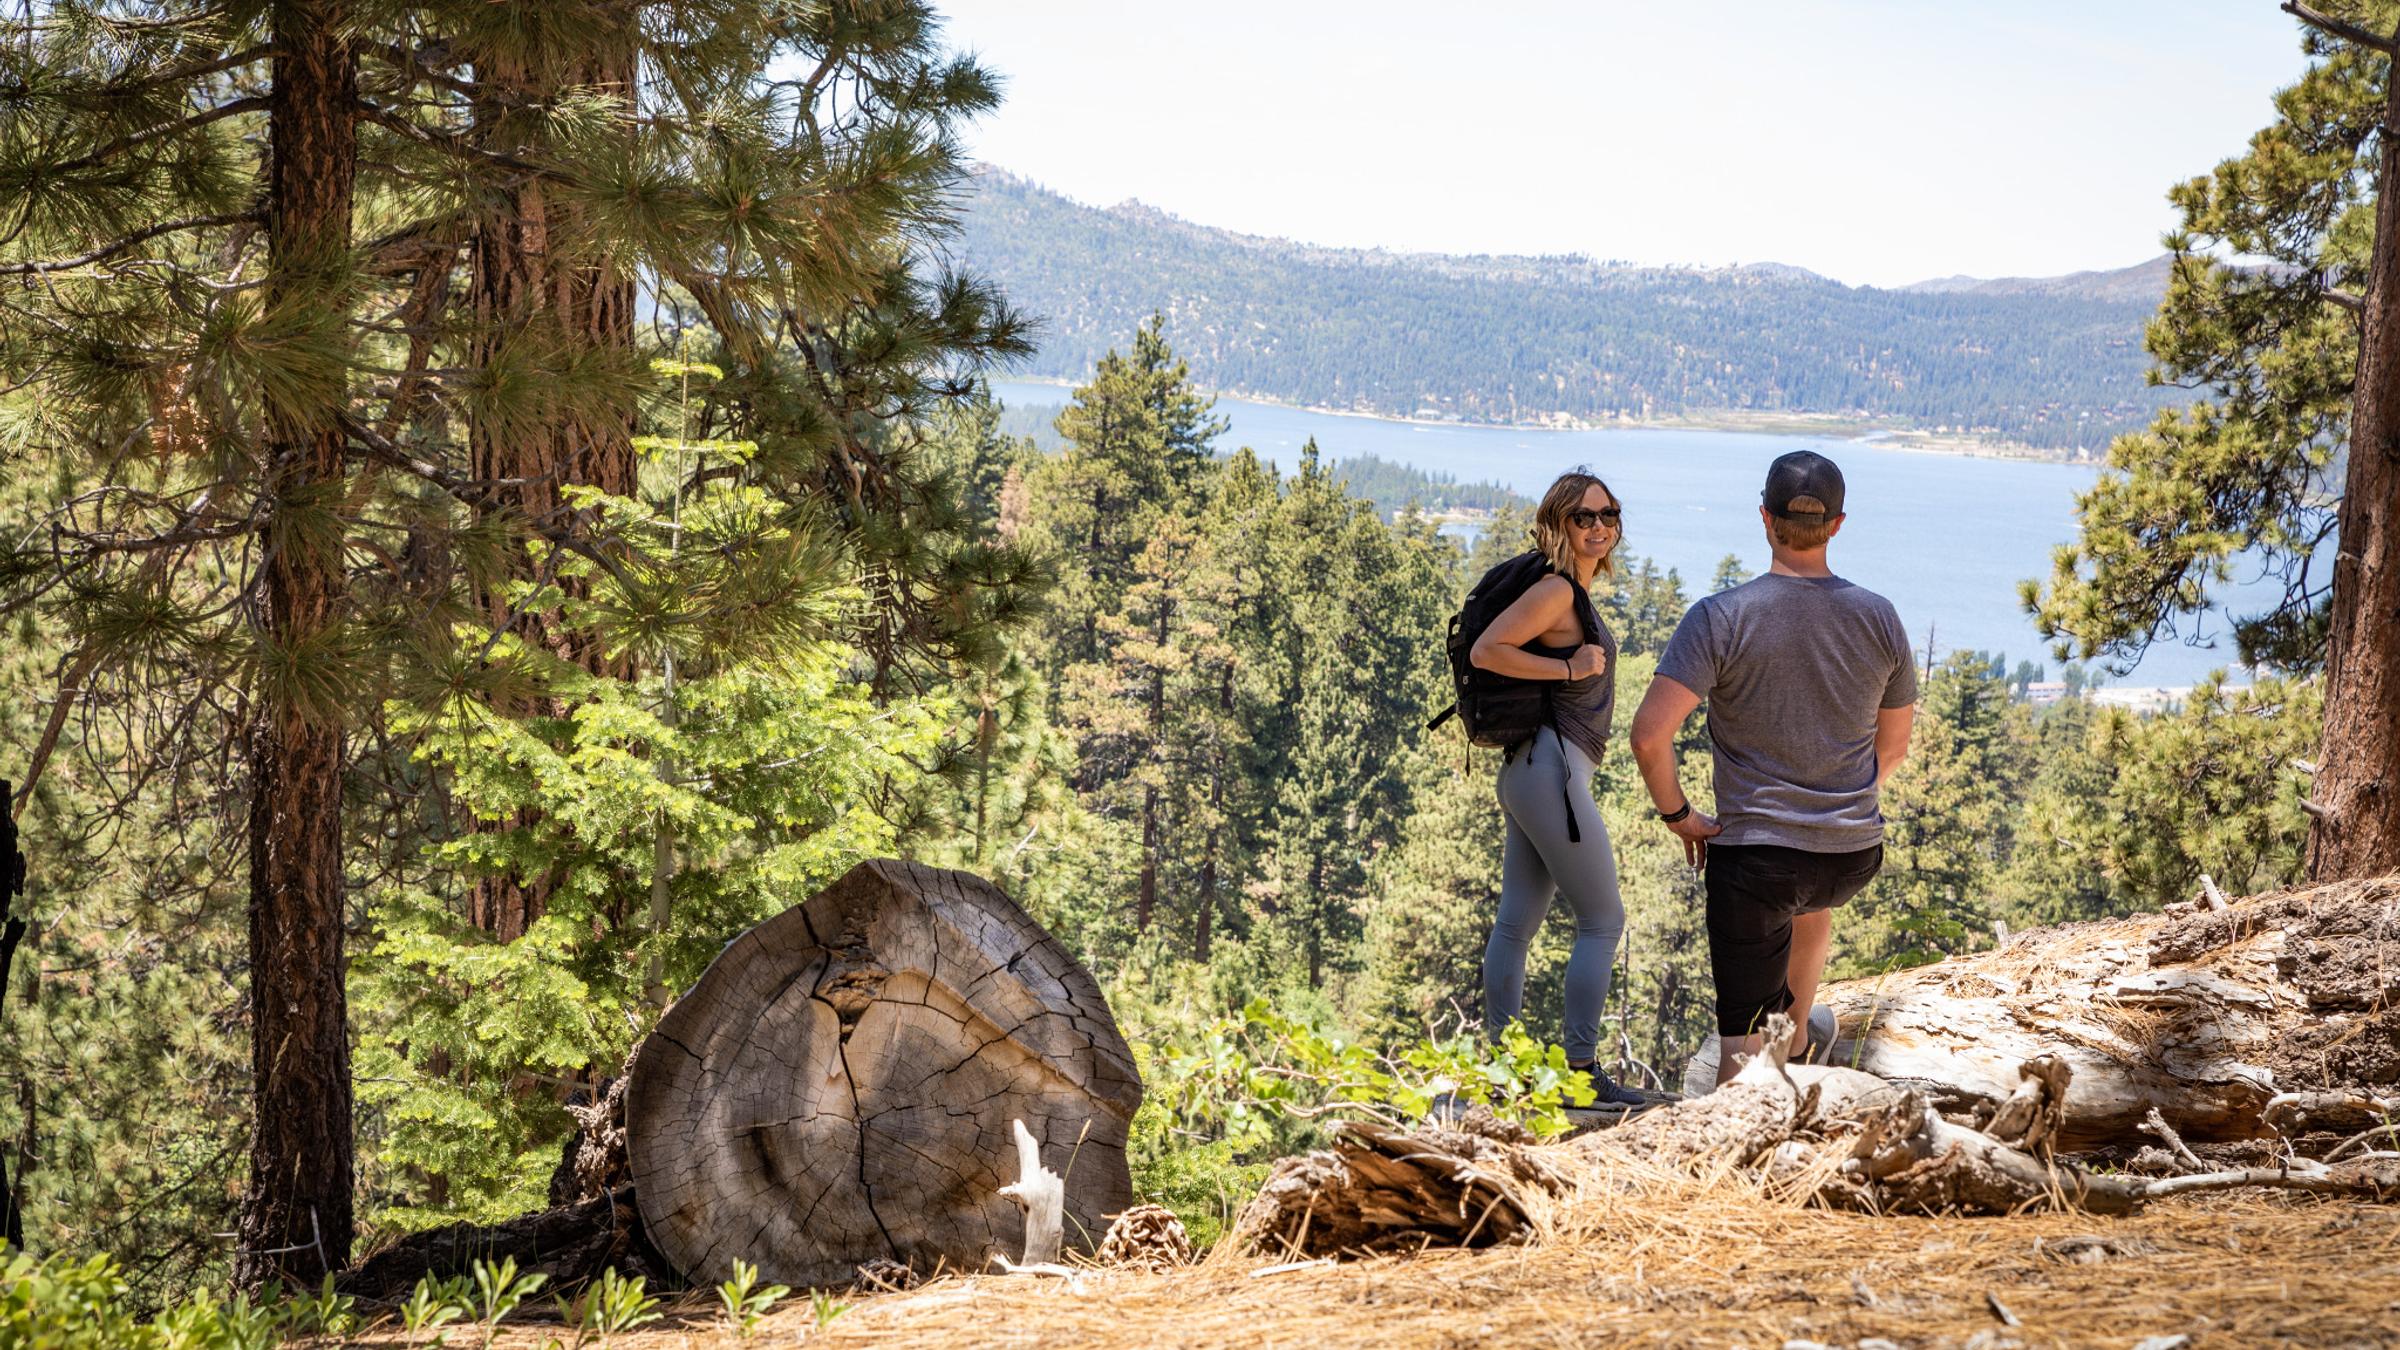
(2142,281)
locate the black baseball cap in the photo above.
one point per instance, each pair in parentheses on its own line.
(1803,473)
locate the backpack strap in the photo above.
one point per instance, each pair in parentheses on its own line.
(1566,777)
(1566,787)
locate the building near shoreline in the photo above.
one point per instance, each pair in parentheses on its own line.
(2153,700)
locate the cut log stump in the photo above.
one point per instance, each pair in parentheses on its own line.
(840,1087)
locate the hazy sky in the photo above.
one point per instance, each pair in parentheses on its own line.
(1878,143)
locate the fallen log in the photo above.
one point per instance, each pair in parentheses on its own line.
(840,1087)
(1835,1135)
(2205,1017)
(570,1244)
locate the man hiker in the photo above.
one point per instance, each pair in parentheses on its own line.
(1811,690)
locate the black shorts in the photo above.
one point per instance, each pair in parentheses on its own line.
(1754,891)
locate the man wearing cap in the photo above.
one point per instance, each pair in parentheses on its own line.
(1811,690)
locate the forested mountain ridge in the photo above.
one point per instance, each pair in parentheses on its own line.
(2142,283)
(1568,339)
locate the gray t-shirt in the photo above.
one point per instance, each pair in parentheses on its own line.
(1793,670)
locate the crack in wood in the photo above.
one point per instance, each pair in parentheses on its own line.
(944,1012)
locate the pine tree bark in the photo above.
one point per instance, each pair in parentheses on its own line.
(2356,830)
(296,1215)
(542,295)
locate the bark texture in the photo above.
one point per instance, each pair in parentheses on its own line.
(2357,829)
(2204,1016)
(296,1215)
(553,333)
(840,1086)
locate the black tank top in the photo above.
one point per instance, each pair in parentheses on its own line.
(1583,710)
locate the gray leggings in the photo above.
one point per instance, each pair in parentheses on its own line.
(1537,786)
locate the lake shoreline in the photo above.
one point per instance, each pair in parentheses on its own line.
(1821,426)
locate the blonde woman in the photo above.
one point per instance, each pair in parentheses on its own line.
(1556,841)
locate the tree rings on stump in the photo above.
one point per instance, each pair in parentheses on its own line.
(838,1087)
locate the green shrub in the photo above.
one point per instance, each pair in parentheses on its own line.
(69,1303)
(1228,1096)
(62,1304)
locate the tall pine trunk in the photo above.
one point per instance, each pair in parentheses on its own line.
(541,290)
(1146,896)
(296,1216)
(2357,831)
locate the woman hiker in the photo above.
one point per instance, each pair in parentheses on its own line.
(1556,841)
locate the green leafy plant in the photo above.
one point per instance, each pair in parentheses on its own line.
(1262,1061)
(68,1304)
(326,1313)
(202,1322)
(1230,1094)
(612,1304)
(498,1291)
(433,1304)
(745,1302)
(825,1306)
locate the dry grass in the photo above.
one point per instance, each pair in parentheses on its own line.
(1654,1259)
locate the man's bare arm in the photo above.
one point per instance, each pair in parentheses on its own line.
(1655,723)
(1892,726)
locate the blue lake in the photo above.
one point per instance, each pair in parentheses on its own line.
(1946,537)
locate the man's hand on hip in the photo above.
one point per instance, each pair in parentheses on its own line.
(1695,830)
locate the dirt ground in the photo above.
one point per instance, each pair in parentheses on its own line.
(1716,1269)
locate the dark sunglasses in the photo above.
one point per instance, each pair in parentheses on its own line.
(1583,518)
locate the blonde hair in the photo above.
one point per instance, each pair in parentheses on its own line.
(1805,535)
(1550,537)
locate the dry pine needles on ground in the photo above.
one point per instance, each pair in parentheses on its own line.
(1669,1259)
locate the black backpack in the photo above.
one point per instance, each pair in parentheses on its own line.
(1501,711)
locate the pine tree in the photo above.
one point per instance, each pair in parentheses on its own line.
(1367,610)
(1947,825)
(1155,741)
(1250,546)
(1430,901)
(2056,872)
(1641,604)
(402,472)
(2202,789)
(1138,437)
(296,1216)
(2290,448)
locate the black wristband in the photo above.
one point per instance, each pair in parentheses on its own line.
(1678,814)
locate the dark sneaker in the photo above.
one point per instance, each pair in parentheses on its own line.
(1607,1091)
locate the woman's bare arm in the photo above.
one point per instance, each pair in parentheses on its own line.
(1501,648)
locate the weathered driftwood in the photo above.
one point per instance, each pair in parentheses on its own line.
(840,1086)
(1839,1135)
(1042,1195)
(2204,1017)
